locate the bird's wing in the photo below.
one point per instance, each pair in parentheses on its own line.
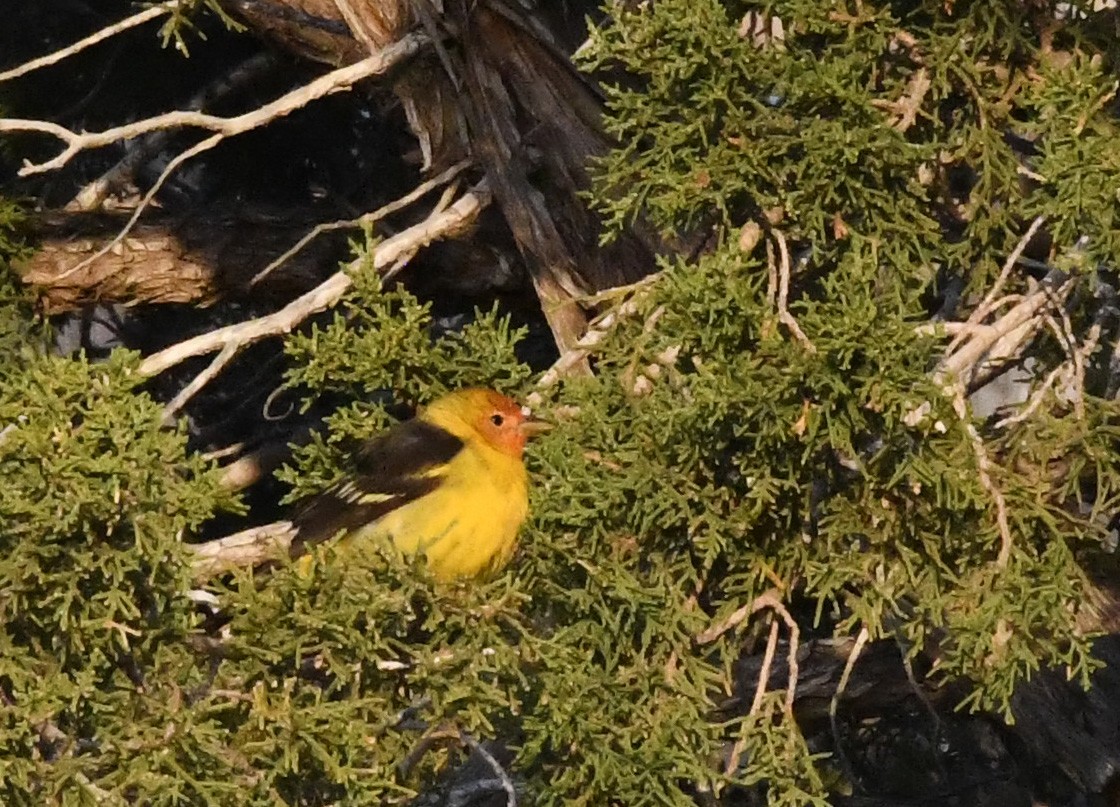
(393,468)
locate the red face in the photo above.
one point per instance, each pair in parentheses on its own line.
(502,423)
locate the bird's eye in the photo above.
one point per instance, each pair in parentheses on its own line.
(497,419)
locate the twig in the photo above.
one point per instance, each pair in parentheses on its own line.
(1003,337)
(784,315)
(364,219)
(138,152)
(764,671)
(834,704)
(99,36)
(325,294)
(791,658)
(499,771)
(584,346)
(919,692)
(768,599)
(983,473)
(336,81)
(740,745)
(172,166)
(988,303)
(242,549)
(771,277)
(1035,400)
(224,357)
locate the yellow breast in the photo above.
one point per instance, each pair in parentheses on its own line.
(468,525)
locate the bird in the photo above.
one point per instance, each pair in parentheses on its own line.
(449,485)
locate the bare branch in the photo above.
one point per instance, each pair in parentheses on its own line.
(988,303)
(984,474)
(326,294)
(499,771)
(764,672)
(242,549)
(834,704)
(784,316)
(336,81)
(1035,400)
(736,755)
(99,36)
(597,331)
(364,219)
(1002,338)
(768,599)
(765,600)
(197,383)
(172,166)
(137,153)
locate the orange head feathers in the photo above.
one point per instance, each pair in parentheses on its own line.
(497,420)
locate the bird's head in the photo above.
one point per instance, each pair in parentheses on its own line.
(500,421)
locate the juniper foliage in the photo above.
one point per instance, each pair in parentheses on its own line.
(711,459)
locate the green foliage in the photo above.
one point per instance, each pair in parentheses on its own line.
(893,163)
(713,458)
(93,577)
(15,311)
(181,19)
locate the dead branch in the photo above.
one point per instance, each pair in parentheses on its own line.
(98,36)
(988,304)
(834,704)
(574,360)
(364,219)
(242,550)
(1035,400)
(765,600)
(339,80)
(1003,338)
(224,357)
(784,316)
(137,153)
(495,766)
(984,473)
(442,225)
(740,745)
(172,166)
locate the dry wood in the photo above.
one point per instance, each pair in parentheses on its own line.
(441,225)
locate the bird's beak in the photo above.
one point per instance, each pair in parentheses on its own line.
(531,427)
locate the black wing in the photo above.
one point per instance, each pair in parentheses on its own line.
(392,469)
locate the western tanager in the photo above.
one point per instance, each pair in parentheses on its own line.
(449,484)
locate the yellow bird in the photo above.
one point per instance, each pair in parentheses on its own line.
(449,485)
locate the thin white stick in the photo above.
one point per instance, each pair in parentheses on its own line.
(339,80)
(193,151)
(499,771)
(327,293)
(984,474)
(197,383)
(365,218)
(783,294)
(92,39)
(737,749)
(986,304)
